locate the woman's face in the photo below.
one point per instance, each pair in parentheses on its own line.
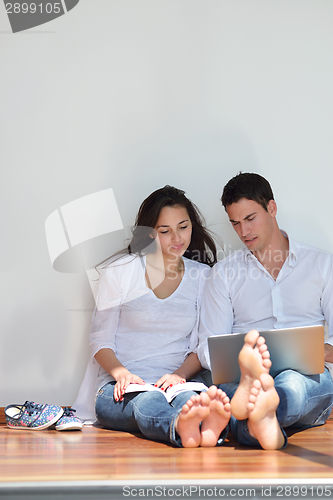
(174,230)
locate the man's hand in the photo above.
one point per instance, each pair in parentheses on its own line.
(328,353)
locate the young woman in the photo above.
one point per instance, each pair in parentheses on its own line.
(144,329)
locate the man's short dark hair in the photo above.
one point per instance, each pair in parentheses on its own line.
(247,185)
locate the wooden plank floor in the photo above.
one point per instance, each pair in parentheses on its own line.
(95,454)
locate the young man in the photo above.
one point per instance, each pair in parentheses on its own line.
(273,282)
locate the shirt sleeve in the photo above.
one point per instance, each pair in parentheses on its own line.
(107,311)
(327,300)
(194,336)
(216,316)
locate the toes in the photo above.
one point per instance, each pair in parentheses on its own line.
(227,407)
(267,381)
(204,399)
(251,337)
(254,392)
(220,394)
(215,394)
(225,400)
(256,385)
(263,351)
(250,406)
(266,363)
(261,343)
(252,398)
(212,391)
(186,408)
(191,402)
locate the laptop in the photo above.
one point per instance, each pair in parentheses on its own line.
(298,348)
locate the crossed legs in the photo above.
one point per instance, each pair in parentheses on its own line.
(204,417)
(256,398)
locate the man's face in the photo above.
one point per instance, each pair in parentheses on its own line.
(254,225)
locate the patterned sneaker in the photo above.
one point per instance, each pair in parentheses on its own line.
(68,421)
(32,416)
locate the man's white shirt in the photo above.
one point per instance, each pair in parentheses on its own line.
(241,295)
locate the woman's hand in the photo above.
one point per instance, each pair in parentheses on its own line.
(168,380)
(108,360)
(123,379)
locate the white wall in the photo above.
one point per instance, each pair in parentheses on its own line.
(132,95)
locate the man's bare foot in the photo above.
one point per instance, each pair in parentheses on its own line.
(189,419)
(218,418)
(262,421)
(253,361)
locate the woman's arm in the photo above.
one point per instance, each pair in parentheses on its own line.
(187,370)
(108,360)
(102,340)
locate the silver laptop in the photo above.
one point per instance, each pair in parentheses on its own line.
(299,348)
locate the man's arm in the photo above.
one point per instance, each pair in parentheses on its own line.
(327,308)
(216,314)
(328,353)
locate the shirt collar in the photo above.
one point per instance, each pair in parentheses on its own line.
(248,255)
(292,251)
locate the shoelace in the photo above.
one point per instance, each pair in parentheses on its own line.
(32,407)
(68,412)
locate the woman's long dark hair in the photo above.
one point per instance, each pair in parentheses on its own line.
(202,247)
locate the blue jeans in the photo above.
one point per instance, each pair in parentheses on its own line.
(305,401)
(145,412)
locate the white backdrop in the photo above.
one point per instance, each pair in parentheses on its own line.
(132,95)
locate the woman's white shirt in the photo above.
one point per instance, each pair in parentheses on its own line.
(149,336)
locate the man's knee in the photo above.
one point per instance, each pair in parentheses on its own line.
(291,389)
(291,383)
(302,398)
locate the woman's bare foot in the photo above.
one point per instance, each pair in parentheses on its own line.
(218,418)
(262,421)
(253,361)
(189,419)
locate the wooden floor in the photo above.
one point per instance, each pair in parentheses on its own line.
(95,454)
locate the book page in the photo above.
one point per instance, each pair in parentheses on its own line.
(171,392)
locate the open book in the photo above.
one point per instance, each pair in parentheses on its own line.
(171,392)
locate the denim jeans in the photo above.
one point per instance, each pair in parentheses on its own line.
(145,412)
(305,401)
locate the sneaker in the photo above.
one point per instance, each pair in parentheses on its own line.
(68,421)
(32,416)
